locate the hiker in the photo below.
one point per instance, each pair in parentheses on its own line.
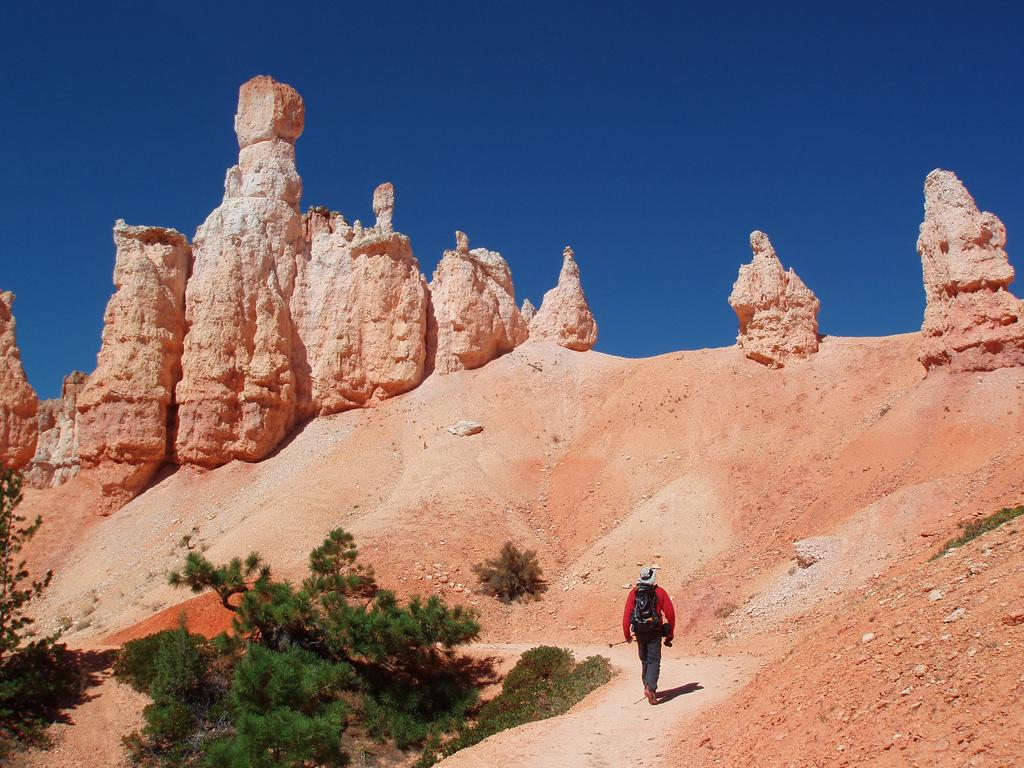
(650,616)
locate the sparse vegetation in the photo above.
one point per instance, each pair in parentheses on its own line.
(544,683)
(514,575)
(975,528)
(38,676)
(725,610)
(303,662)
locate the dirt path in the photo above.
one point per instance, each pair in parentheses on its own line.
(609,729)
(92,736)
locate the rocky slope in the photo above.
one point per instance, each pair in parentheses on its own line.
(705,462)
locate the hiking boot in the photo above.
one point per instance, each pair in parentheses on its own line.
(652,697)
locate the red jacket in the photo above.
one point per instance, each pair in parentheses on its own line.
(665,610)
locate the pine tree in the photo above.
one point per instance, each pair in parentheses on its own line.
(288,711)
(14,598)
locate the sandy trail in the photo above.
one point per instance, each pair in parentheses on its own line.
(609,729)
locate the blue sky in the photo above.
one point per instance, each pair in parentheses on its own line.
(651,137)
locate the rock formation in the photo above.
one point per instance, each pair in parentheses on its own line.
(971,321)
(528,311)
(360,311)
(778,314)
(18,401)
(56,459)
(564,316)
(123,410)
(474,317)
(237,396)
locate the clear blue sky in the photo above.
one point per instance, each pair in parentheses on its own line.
(652,137)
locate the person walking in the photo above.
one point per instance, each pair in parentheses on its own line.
(649,616)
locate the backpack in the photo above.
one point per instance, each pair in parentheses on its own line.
(645,616)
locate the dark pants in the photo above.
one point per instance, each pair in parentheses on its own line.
(649,648)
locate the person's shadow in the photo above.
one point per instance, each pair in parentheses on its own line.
(681,690)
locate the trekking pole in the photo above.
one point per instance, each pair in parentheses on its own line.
(621,642)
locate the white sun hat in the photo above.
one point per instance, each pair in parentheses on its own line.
(648,575)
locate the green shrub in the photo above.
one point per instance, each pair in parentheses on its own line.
(545,682)
(178,671)
(135,663)
(513,575)
(974,528)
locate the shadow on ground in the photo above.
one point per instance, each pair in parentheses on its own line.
(43,685)
(672,693)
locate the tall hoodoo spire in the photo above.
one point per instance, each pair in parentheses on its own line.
(122,410)
(564,316)
(971,320)
(237,395)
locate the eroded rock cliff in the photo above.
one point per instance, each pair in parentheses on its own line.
(18,401)
(971,321)
(125,408)
(778,314)
(56,459)
(473,317)
(360,311)
(237,396)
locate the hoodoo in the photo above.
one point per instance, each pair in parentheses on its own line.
(528,311)
(56,460)
(360,311)
(564,316)
(123,409)
(237,395)
(474,314)
(18,401)
(971,321)
(778,314)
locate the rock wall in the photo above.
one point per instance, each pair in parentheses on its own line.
(473,316)
(237,396)
(564,316)
(56,459)
(778,314)
(211,353)
(360,311)
(18,401)
(971,321)
(125,409)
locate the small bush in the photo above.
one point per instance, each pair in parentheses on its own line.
(183,675)
(974,528)
(544,683)
(513,575)
(136,663)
